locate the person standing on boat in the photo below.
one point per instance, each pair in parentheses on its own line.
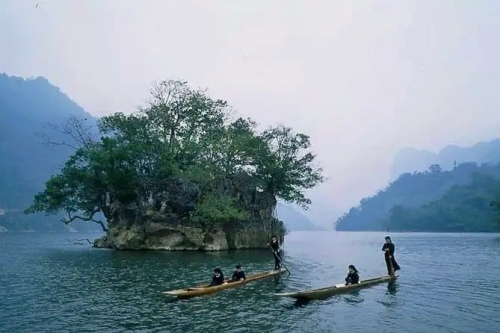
(275,246)
(353,276)
(389,250)
(217,278)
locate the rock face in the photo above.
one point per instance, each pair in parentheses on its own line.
(181,238)
(165,222)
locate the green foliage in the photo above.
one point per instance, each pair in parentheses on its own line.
(90,178)
(287,167)
(436,200)
(181,136)
(213,210)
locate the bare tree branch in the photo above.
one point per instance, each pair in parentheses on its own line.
(47,141)
(79,132)
(72,218)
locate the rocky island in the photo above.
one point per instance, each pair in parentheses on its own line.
(182,173)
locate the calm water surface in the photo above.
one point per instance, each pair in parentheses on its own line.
(448,283)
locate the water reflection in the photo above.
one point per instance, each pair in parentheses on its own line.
(168,300)
(353,297)
(391,301)
(300,302)
(392,288)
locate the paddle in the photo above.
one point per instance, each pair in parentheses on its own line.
(389,257)
(281,261)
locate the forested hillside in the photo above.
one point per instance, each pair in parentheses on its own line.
(465,208)
(434,200)
(27,107)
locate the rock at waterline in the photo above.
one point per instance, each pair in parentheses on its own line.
(161,237)
(165,223)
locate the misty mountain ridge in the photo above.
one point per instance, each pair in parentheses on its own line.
(27,107)
(413,160)
(451,190)
(294,219)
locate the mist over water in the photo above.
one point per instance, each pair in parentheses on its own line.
(448,283)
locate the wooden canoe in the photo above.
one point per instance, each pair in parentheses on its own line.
(206,289)
(323,293)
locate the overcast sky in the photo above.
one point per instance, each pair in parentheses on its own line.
(362,78)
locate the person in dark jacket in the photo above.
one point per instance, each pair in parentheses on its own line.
(217,278)
(353,276)
(275,246)
(389,249)
(238,274)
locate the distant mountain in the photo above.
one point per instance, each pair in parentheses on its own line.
(27,107)
(322,211)
(458,200)
(446,191)
(466,208)
(294,220)
(411,159)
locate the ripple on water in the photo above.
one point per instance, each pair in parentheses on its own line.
(448,284)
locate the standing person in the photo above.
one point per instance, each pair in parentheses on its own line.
(275,246)
(389,250)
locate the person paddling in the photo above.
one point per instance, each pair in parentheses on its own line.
(390,261)
(275,246)
(217,277)
(352,276)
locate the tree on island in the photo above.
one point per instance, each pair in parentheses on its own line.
(183,138)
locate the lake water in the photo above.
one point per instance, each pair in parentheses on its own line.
(448,283)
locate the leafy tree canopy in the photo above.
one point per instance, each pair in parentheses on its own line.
(182,137)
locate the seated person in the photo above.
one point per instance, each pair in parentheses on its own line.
(217,278)
(238,274)
(353,276)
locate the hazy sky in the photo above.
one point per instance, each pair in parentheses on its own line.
(362,78)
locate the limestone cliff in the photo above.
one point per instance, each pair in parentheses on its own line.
(165,221)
